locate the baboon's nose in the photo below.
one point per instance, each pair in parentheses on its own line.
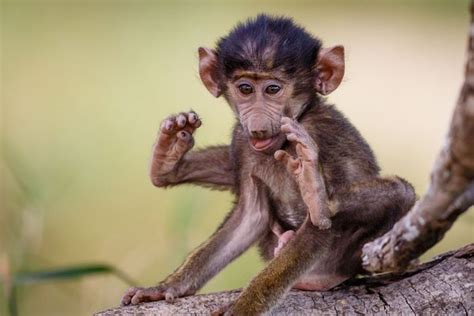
(259,133)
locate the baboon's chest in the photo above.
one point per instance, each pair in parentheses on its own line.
(286,204)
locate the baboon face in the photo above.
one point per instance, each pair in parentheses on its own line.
(267,69)
(260,99)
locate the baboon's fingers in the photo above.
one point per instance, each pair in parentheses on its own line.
(170,295)
(291,163)
(290,126)
(148,295)
(167,133)
(168,125)
(295,132)
(282,156)
(194,121)
(174,124)
(292,137)
(192,117)
(286,120)
(181,120)
(184,143)
(127,297)
(184,136)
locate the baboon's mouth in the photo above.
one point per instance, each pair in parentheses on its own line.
(264,144)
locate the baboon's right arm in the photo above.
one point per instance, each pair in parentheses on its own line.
(173,163)
(209,167)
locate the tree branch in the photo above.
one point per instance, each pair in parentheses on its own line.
(441,286)
(451,190)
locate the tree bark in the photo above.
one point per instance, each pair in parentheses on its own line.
(451,190)
(444,286)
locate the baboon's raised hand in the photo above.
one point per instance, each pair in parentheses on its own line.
(305,169)
(175,139)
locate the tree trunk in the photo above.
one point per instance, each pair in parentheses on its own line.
(451,190)
(444,285)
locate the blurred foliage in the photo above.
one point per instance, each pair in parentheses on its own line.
(58,274)
(84,85)
(69,273)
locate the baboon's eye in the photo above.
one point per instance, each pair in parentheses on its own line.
(272,89)
(245,88)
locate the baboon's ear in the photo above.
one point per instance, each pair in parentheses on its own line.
(330,69)
(208,70)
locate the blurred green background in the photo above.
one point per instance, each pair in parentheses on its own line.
(85,84)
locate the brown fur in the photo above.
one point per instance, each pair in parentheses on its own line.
(323,182)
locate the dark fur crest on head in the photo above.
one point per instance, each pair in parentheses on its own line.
(268,43)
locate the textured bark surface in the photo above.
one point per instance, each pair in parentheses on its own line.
(444,286)
(451,190)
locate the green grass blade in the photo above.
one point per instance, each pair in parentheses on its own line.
(69,273)
(12,304)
